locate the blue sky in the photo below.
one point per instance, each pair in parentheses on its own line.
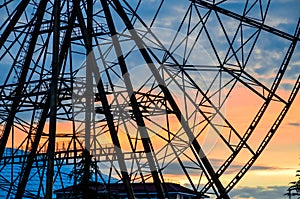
(274,170)
(266,59)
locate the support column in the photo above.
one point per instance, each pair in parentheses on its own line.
(136,111)
(207,167)
(89,95)
(104,100)
(12,22)
(53,100)
(21,81)
(30,158)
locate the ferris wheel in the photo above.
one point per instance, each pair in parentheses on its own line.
(154,91)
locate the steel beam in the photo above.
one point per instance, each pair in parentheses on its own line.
(13,21)
(25,68)
(44,115)
(89,96)
(246,20)
(201,155)
(267,138)
(135,106)
(261,111)
(279,119)
(53,99)
(103,98)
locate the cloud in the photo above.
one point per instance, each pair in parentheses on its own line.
(175,168)
(294,123)
(274,192)
(277,21)
(236,165)
(268,52)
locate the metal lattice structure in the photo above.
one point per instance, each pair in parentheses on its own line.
(146,91)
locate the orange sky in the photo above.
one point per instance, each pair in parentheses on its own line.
(280,158)
(282,152)
(278,163)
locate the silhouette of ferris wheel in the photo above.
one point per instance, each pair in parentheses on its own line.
(152,90)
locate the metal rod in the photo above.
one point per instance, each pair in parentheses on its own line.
(136,111)
(172,102)
(246,20)
(53,100)
(42,121)
(13,21)
(22,79)
(101,90)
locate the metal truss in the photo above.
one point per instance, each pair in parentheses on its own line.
(149,94)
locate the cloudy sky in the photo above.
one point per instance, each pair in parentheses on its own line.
(277,165)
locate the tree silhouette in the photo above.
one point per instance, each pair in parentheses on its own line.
(294,189)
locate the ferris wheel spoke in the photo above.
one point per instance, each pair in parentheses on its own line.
(259,115)
(267,139)
(247,20)
(22,79)
(171,100)
(210,104)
